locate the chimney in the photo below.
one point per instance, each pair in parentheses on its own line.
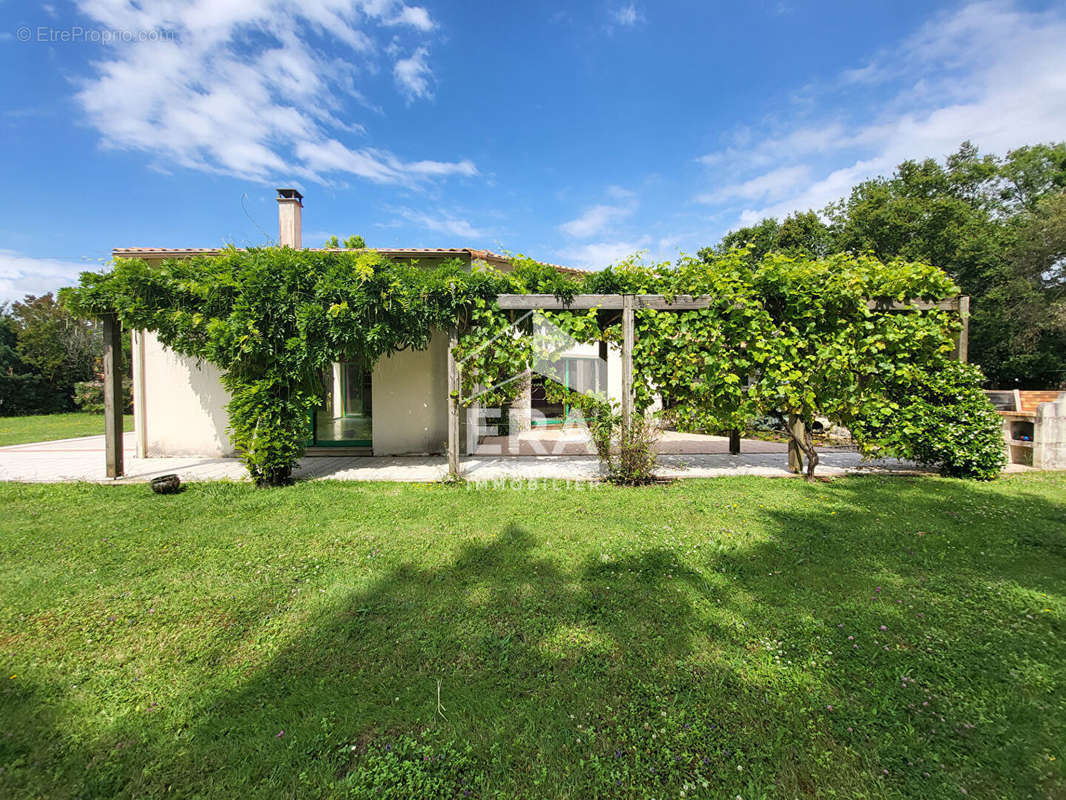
(290,218)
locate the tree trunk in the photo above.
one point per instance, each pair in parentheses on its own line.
(795,450)
(795,457)
(802,444)
(812,455)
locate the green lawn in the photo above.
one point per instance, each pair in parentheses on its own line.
(867,637)
(48,427)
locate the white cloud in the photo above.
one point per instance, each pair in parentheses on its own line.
(416,17)
(621,193)
(375,165)
(816,139)
(442,222)
(594,220)
(442,168)
(246,88)
(413,75)
(597,255)
(990,72)
(770,185)
(627,16)
(21,275)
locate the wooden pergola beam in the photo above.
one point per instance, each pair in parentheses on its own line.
(687,302)
(951,304)
(607,302)
(113,396)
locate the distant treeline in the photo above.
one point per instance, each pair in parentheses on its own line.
(49,359)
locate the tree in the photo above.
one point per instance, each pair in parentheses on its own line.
(55,343)
(351,243)
(828,354)
(1030,173)
(10,363)
(1021,322)
(758,240)
(801,233)
(991,223)
(44,352)
(805,233)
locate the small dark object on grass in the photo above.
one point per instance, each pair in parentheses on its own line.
(652,480)
(166,484)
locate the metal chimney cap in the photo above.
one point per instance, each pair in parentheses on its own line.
(290,194)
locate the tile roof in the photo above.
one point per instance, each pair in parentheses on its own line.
(400,252)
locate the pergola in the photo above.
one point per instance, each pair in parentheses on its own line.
(627,304)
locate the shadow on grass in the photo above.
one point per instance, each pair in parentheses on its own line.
(847,649)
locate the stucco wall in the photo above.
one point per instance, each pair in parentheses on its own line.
(410,400)
(614,372)
(184,405)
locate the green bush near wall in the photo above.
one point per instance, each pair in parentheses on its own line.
(941,418)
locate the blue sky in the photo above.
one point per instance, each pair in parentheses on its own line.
(575,133)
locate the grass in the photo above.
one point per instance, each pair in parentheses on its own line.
(49,427)
(868,637)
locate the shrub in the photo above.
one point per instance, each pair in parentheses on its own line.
(771,421)
(634,463)
(31,394)
(89,396)
(939,418)
(626,456)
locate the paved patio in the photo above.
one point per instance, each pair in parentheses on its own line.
(83,460)
(574,441)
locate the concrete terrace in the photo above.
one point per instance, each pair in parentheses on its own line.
(82,459)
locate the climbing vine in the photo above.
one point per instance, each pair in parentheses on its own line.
(794,335)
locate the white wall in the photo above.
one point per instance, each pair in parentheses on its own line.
(182,410)
(183,406)
(410,400)
(614,372)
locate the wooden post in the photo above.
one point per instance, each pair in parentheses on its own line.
(453,407)
(627,363)
(734,442)
(113,396)
(964,331)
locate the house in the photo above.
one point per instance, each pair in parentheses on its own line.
(396,406)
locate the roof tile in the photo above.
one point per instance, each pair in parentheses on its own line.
(485,255)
